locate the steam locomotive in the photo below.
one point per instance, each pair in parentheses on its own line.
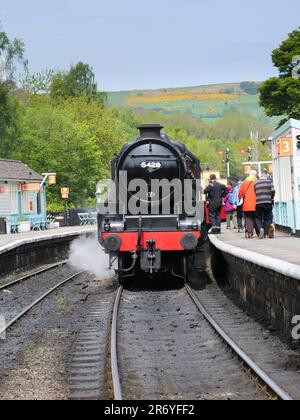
(145,226)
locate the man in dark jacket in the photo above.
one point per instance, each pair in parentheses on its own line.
(215,193)
(265,193)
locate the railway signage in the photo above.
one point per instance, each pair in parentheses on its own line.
(31,187)
(65,192)
(285,146)
(52,179)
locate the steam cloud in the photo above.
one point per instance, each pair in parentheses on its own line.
(86,254)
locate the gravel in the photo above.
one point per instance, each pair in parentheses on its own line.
(35,357)
(168,351)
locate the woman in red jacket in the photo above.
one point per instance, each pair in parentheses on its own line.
(247,193)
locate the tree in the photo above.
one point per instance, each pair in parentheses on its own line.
(9,121)
(38,83)
(12,52)
(280,96)
(52,140)
(78,81)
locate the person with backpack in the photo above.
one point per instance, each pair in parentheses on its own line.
(238,204)
(215,193)
(230,208)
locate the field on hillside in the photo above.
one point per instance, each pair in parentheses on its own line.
(208,102)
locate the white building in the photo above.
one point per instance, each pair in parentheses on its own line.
(20,193)
(286,168)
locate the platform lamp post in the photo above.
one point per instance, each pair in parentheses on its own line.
(65,192)
(51,177)
(228,155)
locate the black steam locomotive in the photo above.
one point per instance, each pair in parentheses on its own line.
(151,223)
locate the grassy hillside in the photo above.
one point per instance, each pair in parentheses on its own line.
(209,102)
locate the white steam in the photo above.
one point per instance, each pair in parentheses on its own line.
(87,254)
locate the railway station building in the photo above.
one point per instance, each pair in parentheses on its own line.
(286,168)
(21,193)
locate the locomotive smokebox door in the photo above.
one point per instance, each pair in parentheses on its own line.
(151,258)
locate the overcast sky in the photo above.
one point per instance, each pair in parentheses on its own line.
(134,44)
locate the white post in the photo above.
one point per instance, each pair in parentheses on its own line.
(259,169)
(228,170)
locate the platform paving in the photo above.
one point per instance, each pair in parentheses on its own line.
(284,247)
(11,241)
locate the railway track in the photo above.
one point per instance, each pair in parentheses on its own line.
(267,386)
(29,276)
(25,310)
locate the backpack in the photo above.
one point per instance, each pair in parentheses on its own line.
(232,198)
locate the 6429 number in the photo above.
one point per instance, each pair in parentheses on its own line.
(151,165)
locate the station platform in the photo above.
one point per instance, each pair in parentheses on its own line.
(9,242)
(281,254)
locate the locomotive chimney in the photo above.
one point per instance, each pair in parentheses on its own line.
(150,130)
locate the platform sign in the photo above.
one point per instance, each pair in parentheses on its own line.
(52,179)
(65,192)
(285,146)
(31,187)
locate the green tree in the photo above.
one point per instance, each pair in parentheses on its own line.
(9,121)
(52,140)
(280,96)
(78,81)
(12,53)
(38,83)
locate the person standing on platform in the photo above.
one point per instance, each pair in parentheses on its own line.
(248,197)
(238,204)
(230,208)
(215,193)
(265,193)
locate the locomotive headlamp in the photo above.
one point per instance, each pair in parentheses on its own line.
(189,242)
(107,227)
(195,225)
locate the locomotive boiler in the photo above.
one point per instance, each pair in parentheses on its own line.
(151,220)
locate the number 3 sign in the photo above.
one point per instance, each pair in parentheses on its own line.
(286,146)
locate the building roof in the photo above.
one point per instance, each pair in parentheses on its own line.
(292,123)
(15,170)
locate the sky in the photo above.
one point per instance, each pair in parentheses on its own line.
(145,44)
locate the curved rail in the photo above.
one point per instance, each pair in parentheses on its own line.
(114,353)
(40,299)
(267,383)
(28,276)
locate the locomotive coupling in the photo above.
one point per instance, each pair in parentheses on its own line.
(134,257)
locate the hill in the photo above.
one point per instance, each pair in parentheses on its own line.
(206,102)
